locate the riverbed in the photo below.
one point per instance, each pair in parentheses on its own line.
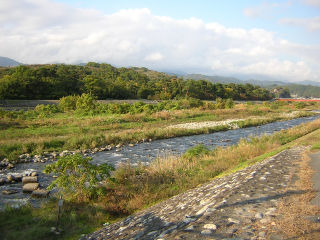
(148,151)
(144,153)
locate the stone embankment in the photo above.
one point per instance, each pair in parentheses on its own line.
(241,205)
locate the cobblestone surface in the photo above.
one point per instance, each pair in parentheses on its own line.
(228,207)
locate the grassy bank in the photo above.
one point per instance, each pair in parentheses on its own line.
(41,130)
(134,188)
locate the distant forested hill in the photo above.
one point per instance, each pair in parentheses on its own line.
(304,90)
(6,62)
(301,89)
(227,80)
(214,79)
(53,81)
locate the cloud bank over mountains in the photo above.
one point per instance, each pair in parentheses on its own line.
(44,31)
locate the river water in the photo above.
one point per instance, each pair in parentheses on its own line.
(146,152)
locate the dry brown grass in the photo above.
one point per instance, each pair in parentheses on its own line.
(292,211)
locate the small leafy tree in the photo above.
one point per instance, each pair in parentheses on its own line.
(78,177)
(220,103)
(229,104)
(68,103)
(86,103)
(196,151)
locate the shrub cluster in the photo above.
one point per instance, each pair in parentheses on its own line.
(87,104)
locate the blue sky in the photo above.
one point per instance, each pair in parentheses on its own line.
(230,13)
(248,39)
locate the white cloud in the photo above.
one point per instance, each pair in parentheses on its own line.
(154,57)
(265,10)
(42,31)
(281,69)
(310,24)
(314,3)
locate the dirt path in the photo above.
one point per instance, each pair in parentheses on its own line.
(242,205)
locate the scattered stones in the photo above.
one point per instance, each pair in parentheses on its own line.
(18,177)
(206,232)
(262,234)
(9,191)
(189,220)
(10,166)
(210,226)
(34,174)
(64,153)
(56,230)
(263,179)
(190,228)
(235,221)
(23,156)
(11,178)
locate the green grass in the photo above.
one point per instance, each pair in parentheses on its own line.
(135,188)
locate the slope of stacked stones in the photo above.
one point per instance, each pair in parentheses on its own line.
(228,207)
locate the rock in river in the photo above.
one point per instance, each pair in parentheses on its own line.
(26,180)
(30,187)
(40,193)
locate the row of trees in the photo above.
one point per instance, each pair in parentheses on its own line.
(108,82)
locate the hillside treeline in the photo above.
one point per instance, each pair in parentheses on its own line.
(108,82)
(307,91)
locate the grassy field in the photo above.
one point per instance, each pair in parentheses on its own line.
(41,130)
(132,189)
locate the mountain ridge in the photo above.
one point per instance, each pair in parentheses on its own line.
(262,83)
(7,62)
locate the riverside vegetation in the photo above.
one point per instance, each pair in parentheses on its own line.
(74,125)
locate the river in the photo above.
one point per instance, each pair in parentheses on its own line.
(145,153)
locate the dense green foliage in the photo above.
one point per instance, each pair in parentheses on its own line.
(304,90)
(78,177)
(107,82)
(295,90)
(87,105)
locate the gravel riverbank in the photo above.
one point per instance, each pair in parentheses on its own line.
(232,123)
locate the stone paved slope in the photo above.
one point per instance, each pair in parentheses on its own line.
(228,207)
